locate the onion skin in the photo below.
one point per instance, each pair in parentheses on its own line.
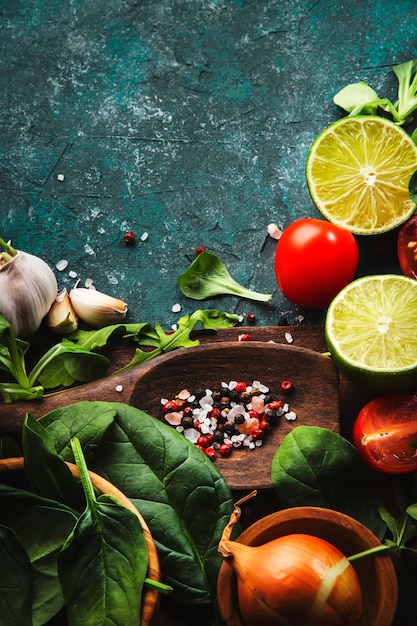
(279,581)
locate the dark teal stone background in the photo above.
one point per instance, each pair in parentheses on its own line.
(187,119)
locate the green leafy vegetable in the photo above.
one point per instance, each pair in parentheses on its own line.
(207,276)
(181,494)
(42,526)
(317,467)
(103,563)
(76,358)
(15,581)
(360,98)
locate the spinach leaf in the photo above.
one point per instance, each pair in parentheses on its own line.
(46,472)
(86,420)
(103,564)
(42,527)
(181,494)
(15,581)
(317,467)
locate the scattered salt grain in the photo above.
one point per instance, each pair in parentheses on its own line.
(61,177)
(288,338)
(274,231)
(72,274)
(62,265)
(88,283)
(144,236)
(176,308)
(119,388)
(291,416)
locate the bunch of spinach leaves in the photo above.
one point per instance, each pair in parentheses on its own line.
(179,491)
(77,358)
(61,545)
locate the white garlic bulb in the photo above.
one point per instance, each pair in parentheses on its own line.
(28,288)
(97,309)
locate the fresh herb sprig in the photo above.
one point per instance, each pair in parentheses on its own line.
(360,99)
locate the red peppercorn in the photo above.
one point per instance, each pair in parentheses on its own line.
(264,425)
(203,441)
(225,449)
(286,386)
(210,452)
(253,413)
(171,405)
(251,318)
(188,411)
(240,387)
(257,433)
(129,238)
(199,250)
(215,412)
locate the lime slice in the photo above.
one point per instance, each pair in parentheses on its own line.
(371,332)
(358,171)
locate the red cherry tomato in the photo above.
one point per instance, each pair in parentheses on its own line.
(314,260)
(384,430)
(407,247)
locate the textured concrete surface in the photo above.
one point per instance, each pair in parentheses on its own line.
(189,120)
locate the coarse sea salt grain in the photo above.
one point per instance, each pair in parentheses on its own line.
(144,236)
(119,388)
(62,265)
(288,337)
(176,308)
(61,177)
(72,274)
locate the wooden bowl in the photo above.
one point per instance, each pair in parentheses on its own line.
(376,574)
(315,399)
(151,595)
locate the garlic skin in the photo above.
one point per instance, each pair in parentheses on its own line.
(97,309)
(28,288)
(61,318)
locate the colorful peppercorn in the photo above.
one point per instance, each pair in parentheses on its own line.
(129,238)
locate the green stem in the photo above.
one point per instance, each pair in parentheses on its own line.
(385,547)
(158,585)
(8,248)
(84,476)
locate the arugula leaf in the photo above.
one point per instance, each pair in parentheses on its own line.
(315,466)
(103,564)
(360,99)
(15,581)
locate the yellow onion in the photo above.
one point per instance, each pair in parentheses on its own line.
(294,580)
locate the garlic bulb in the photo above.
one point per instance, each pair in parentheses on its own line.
(28,287)
(62,319)
(97,309)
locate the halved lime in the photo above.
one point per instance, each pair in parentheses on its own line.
(371,332)
(358,170)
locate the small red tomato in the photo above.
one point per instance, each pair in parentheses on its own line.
(314,260)
(407,247)
(385,430)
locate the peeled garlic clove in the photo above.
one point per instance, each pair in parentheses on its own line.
(62,319)
(97,309)
(28,288)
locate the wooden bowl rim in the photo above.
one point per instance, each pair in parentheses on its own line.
(248,536)
(151,595)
